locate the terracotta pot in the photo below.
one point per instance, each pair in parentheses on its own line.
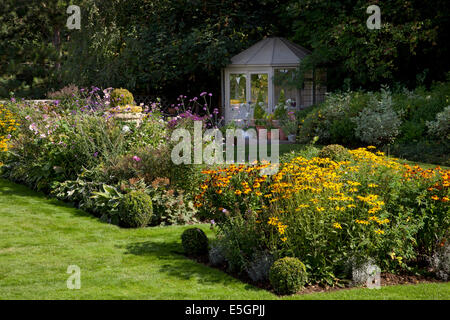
(282,135)
(277,125)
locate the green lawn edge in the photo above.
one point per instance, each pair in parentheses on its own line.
(41,237)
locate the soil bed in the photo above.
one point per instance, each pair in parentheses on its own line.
(387,279)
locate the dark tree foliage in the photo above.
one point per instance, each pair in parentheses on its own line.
(32,36)
(411,48)
(169,47)
(166,47)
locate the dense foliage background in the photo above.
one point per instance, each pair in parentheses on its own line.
(154,47)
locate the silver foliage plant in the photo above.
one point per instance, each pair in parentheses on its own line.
(441,126)
(258,268)
(440,262)
(362,271)
(217,254)
(378,123)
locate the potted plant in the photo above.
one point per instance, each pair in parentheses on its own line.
(269,125)
(259,114)
(280,115)
(290,126)
(290,129)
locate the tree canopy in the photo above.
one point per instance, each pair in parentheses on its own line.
(168,47)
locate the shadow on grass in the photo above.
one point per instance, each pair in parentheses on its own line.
(21,193)
(177,265)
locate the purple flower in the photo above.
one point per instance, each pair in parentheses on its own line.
(203,93)
(95,154)
(136,158)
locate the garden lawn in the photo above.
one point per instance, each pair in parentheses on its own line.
(288,147)
(40,238)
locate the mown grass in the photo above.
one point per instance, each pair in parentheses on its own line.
(40,238)
(301,148)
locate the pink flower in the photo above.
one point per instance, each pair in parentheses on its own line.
(136,158)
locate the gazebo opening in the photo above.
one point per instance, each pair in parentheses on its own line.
(250,80)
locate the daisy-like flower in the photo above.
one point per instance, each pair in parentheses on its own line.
(337,225)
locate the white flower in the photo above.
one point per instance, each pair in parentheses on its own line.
(125,129)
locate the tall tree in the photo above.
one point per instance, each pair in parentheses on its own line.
(413,39)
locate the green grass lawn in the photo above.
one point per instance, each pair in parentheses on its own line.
(40,238)
(288,147)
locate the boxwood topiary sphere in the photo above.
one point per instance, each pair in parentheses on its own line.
(194,241)
(287,275)
(335,152)
(135,209)
(121,97)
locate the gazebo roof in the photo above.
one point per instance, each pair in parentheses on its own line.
(271,52)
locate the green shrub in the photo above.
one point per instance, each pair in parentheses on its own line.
(360,118)
(135,209)
(335,152)
(435,152)
(306,151)
(287,275)
(69,92)
(343,131)
(411,131)
(259,112)
(238,241)
(194,241)
(78,191)
(120,97)
(280,112)
(328,119)
(170,206)
(150,132)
